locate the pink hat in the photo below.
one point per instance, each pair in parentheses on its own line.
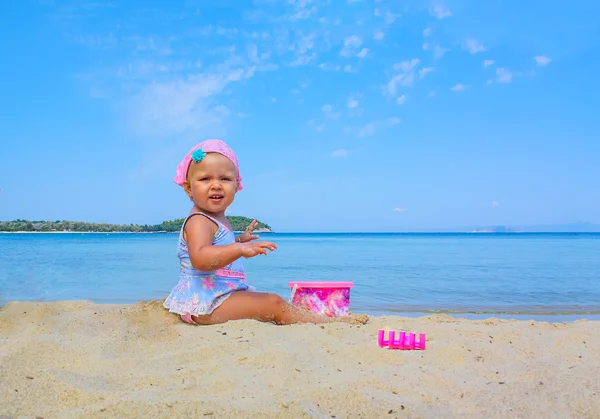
(207,146)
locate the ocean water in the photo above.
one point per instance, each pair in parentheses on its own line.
(476,275)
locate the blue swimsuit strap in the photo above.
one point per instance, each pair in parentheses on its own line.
(221,227)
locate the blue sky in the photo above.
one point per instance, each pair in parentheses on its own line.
(345,115)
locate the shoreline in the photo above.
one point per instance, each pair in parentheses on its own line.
(408,233)
(80,359)
(111,232)
(88,232)
(540,316)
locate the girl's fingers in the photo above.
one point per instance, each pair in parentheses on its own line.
(252,226)
(261,248)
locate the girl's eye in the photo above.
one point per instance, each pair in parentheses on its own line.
(204,179)
(226,179)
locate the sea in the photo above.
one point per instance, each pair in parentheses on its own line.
(547,277)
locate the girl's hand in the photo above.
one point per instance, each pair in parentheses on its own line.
(247,235)
(252,249)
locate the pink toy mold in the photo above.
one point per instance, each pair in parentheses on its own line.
(327,298)
(405,341)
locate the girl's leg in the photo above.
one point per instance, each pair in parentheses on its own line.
(267,307)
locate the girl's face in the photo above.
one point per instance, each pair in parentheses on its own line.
(212,183)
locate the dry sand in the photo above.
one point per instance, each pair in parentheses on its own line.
(79,359)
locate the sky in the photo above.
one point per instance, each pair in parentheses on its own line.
(346,115)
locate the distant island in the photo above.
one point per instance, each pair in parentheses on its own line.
(495,229)
(238,223)
(579,227)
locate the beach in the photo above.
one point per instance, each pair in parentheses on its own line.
(80,359)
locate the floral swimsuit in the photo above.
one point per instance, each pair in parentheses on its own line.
(200,292)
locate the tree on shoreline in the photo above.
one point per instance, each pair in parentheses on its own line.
(238,223)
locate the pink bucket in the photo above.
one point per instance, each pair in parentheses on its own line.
(329,298)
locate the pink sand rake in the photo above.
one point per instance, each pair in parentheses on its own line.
(405,341)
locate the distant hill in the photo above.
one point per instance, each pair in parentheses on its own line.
(579,227)
(238,223)
(548,228)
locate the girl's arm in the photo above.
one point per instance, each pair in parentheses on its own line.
(199,232)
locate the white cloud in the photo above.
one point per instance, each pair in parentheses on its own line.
(372,127)
(303,48)
(304,60)
(363,53)
(349,69)
(399,209)
(426,32)
(504,76)
(542,60)
(402,79)
(302,9)
(425,46)
(458,87)
(495,204)
(367,130)
(351,45)
(228,32)
(352,103)
(378,35)
(222,110)
(252,53)
(319,127)
(182,104)
(306,43)
(401,100)
(407,65)
(473,46)
(424,71)
(330,67)
(390,18)
(438,52)
(440,11)
(328,111)
(487,63)
(339,153)
(268,67)
(179,95)
(431,94)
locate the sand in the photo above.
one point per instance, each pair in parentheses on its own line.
(79,359)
